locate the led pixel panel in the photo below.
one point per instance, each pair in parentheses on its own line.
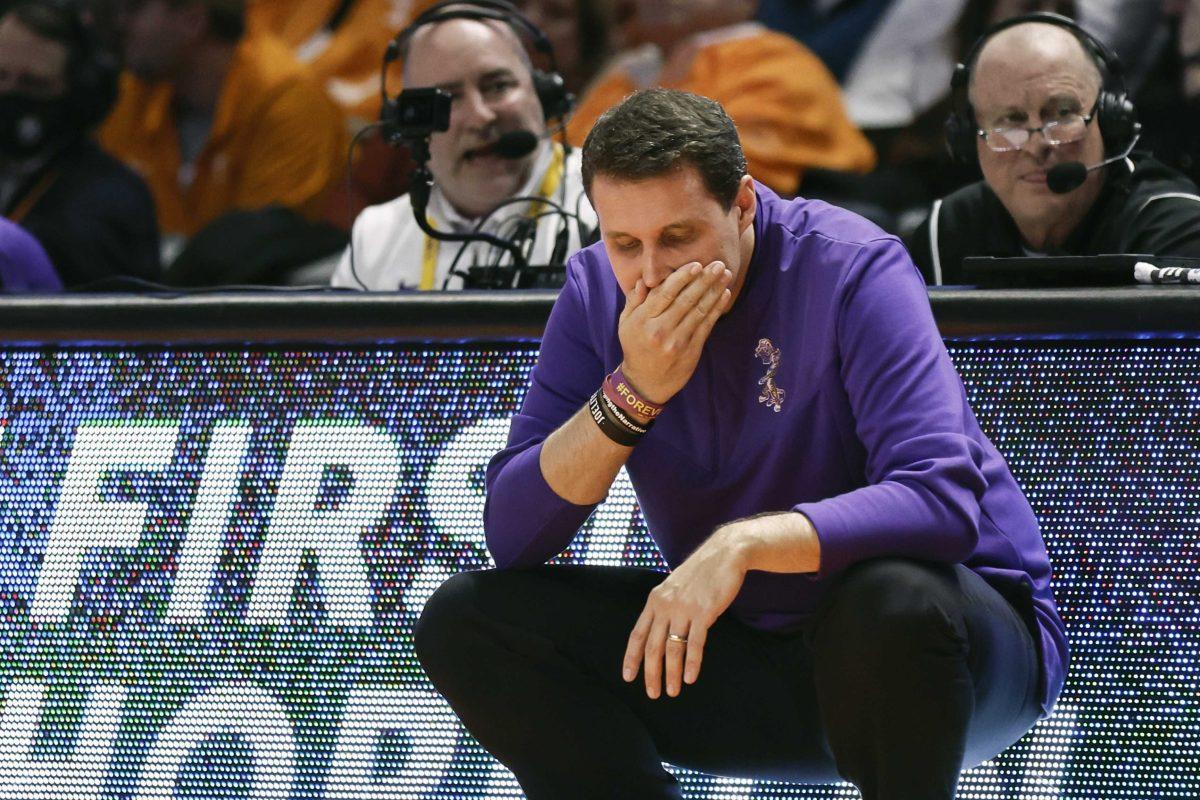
(211,563)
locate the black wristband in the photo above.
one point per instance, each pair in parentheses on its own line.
(608,426)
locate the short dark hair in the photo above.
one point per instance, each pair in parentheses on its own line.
(655,131)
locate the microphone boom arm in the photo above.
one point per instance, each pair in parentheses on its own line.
(422,186)
(1070,175)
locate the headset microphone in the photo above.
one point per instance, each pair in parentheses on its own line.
(1069,176)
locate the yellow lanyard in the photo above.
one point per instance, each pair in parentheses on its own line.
(33,196)
(549,186)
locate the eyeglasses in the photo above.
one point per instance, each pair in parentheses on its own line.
(1064,130)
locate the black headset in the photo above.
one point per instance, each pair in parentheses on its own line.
(550,88)
(1115,112)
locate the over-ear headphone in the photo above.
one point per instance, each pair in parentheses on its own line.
(549,86)
(1115,112)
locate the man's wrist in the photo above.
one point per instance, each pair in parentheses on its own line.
(613,422)
(621,391)
(783,541)
(736,539)
(641,386)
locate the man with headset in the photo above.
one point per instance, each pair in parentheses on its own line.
(1041,106)
(94,217)
(532,196)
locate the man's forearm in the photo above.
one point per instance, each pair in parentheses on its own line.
(783,542)
(579,462)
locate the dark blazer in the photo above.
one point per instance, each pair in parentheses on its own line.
(95,218)
(1151,209)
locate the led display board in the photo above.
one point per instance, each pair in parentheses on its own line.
(211,561)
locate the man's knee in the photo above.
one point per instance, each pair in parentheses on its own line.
(889,607)
(445,622)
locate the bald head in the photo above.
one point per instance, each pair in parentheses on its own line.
(459,32)
(1027,51)
(1033,78)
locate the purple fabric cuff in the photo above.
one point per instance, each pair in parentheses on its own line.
(528,538)
(838,550)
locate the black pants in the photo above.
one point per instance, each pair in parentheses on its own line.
(908,673)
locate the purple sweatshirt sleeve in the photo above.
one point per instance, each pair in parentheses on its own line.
(924,472)
(525,522)
(24,265)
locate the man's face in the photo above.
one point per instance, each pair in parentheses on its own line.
(652,227)
(1024,83)
(30,65)
(156,35)
(479,65)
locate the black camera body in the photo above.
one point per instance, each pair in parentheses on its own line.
(416,114)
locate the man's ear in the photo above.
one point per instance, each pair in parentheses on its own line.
(746,202)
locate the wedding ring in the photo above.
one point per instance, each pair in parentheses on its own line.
(675,637)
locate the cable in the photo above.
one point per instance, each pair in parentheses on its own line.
(453,271)
(497,276)
(510,201)
(558,211)
(124,283)
(349,189)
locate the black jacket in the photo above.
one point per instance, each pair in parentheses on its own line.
(1153,210)
(95,219)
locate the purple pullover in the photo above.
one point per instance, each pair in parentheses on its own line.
(24,265)
(873,439)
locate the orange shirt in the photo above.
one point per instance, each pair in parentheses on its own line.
(346,60)
(786,105)
(276,139)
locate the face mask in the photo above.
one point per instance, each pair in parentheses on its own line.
(29,124)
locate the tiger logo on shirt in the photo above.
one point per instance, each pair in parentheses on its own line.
(771,395)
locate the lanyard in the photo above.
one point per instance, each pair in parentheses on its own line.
(35,194)
(550,182)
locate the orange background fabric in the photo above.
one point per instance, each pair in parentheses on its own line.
(276,139)
(787,106)
(348,66)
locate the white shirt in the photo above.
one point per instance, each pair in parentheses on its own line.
(905,65)
(389,249)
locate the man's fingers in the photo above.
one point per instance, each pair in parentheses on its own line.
(652,662)
(634,298)
(635,647)
(699,313)
(697,636)
(704,326)
(677,645)
(662,296)
(692,296)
